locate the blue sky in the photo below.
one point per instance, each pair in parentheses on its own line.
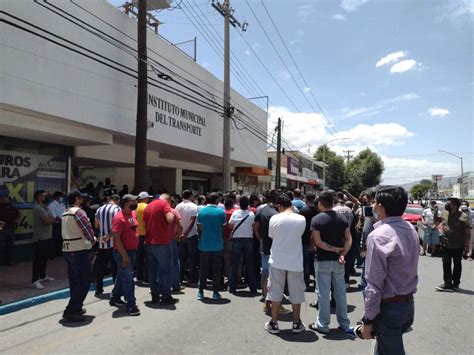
(395,76)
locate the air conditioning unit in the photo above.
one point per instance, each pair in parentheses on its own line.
(152,5)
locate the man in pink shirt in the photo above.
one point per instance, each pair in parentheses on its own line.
(391,273)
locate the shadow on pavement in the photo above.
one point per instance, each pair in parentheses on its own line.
(120,313)
(211,301)
(246,294)
(169,307)
(350,309)
(337,334)
(87,320)
(465,292)
(304,337)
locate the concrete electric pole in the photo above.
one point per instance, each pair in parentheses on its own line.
(142,96)
(227,12)
(278,157)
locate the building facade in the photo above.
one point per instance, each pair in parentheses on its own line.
(68,107)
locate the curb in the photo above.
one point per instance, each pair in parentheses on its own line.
(50,296)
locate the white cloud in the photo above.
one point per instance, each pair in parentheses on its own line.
(403,66)
(306,89)
(255,45)
(401,170)
(247,52)
(438,112)
(293,42)
(456,11)
(205,65)
(352,5)
(339,17)
(378,107)
(301,129)
(391,58)
(304,12)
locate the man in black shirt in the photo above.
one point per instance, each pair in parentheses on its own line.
(260,227)
(308,212)
(332,238)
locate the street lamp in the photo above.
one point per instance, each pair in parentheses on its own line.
(462,170)
(324,154)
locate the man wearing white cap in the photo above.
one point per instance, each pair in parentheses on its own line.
(140,263)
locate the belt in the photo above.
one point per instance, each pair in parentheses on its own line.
(398,298)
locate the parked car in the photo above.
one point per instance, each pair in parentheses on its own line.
(413,214)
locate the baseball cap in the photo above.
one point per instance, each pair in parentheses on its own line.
(128,197)
(143,195)
(115,197)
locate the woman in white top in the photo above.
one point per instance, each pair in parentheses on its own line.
(241,223)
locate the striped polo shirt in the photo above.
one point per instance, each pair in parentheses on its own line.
(105,214)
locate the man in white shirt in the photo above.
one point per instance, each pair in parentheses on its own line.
(286,263)
(188,246)
(57,208)
(241,222)
(431,220)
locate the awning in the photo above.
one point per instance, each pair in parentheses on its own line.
(252,170)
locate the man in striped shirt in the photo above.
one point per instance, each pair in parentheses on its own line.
(104,256)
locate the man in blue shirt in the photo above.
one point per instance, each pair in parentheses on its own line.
(211,222)
(297,201)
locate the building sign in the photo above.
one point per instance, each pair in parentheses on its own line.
(292,166)
(436,177)
(179,118)
(21,174)
(309,174)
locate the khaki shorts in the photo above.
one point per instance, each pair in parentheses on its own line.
(276,285)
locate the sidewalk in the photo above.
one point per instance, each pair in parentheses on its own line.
(15,281)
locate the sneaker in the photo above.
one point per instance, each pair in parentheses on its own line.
(272,327)
(200,295)
(298,327)
(216,296)
(117,303)
(98,293)
(82,311)
(37,285)
(314,327)
(456,288)
(444,288)
(133,311)
(314,304)
(47,278)
(283,310)
(168,301)
(178,289)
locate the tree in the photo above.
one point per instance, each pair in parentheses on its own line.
(335,177)
(364,171)
(419,190)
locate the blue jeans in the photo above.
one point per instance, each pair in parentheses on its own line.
(393,320)
(78,270)
(265,268)
(159,259)
(189,256)
(242,246)
(363,283)
(328,272)
(124,285)
(175,267)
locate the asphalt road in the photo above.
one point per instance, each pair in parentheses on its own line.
(443,325)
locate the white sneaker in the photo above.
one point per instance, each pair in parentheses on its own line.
(47,278)
(37,285)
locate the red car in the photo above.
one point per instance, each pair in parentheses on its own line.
(413,214)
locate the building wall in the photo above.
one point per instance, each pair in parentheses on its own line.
(48,79)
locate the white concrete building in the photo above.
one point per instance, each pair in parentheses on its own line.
(68,105)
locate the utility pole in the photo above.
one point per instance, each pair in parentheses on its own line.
(142,96)
(278,157)
(227,12)
(348,153)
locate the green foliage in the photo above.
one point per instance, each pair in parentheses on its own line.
(335,177)
(364,171)
(419,191)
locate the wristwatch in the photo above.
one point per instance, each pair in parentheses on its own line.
(366,321)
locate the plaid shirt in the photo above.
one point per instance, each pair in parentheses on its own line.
(84,223)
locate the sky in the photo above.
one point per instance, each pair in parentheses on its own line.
(394,76)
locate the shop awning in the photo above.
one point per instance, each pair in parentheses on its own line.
(253,170)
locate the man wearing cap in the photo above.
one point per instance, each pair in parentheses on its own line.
(105,256)
(78,239)
(158,217)
(140,263)
(125,236)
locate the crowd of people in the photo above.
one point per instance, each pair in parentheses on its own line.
(284,243)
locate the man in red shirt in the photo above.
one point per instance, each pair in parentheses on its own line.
(158,217)
(125,234)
